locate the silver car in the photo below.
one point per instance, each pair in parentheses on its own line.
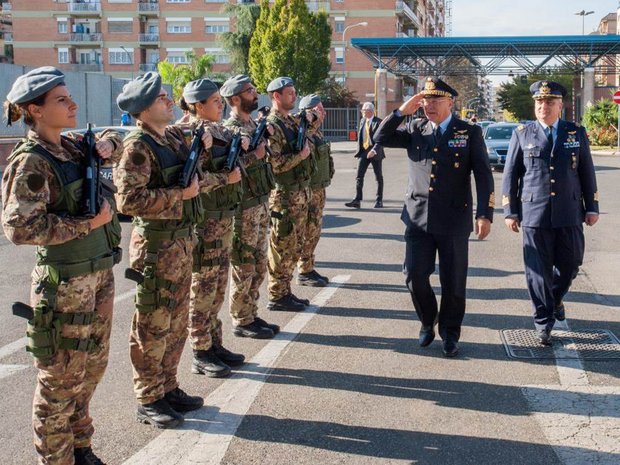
(497,138)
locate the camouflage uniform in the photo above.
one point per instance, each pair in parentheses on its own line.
(288,206)
(212,258)
(159,326)
(66,380)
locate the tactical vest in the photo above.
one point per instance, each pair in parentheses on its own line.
(170,165)
(223,201)
(296,178)
(324,162)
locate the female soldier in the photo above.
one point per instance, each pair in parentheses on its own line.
(73,284)
(212,255)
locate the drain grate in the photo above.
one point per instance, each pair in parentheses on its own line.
(585,344)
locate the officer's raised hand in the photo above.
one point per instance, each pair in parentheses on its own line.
(234,176)
(512,224)
(192,190)
(483,228)
(103,217)
(411,105)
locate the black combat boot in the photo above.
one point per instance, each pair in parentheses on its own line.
(159,414)
(353,204)
(288,303)
(86,456)
(253,330)
(305,302)
(264,324)
(206,362)
(229,358)
(311,279)
(180,401)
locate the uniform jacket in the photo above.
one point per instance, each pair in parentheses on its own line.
(549,189)
(439,195)
(361,152)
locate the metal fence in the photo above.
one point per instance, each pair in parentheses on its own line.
(341,123)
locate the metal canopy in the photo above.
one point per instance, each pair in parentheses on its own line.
(445,56)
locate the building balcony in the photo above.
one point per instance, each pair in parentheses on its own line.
(430,20)
(315,6)
(89,68)
(405,11)
(86,38)
(6,7)
(146,67)
(148,39)
(431,4)
(148,8)
(84,9)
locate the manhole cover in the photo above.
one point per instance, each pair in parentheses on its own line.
(586,344)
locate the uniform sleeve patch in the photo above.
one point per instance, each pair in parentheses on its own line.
(596,196)
(492,200)
(35,182)
(505,200)
(138,159)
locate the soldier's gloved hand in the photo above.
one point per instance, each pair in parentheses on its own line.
(192,190)
(260,150)
(305,152)
(411,105)
(104,148)
(103,217)
(512,224)
(591,218)
(245,143)
(207,140)
(234,176)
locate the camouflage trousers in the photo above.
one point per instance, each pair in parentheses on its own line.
(312,233)
(158,335)
(250,268)
(209,283)
(289,214)
(66,382)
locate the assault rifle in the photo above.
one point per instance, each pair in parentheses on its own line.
(191,164)
(259,134)
(92,183)
(232,159)
(301,134)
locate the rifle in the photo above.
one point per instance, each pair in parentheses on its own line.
(259,134)
(301,134)
(191,164)
(232,159)
(92,183)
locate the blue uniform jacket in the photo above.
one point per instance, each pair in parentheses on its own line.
(439,194)
(549,190)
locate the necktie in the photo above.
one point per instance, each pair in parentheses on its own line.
(367,135)
(437,134)
(550,136)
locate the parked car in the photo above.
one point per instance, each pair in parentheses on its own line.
(497,138)
(484,124)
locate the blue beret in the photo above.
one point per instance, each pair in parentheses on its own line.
(309,101)
(234,85)
(139,94)
(280,83)
(199,90)
(435,87)
(35,83)
(547,89)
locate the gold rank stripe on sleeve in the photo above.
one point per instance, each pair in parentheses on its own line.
(596,196)
(492,200)
(505,200)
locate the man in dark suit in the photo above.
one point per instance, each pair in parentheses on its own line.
(442,152)
(549,188)
(368,153)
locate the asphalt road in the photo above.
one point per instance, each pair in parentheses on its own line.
(345,382)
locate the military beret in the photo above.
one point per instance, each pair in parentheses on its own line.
(35,83)
(309,101)
(280,83)
(547,89)
(140,93)
(435,87)
(199,90)
(234,85)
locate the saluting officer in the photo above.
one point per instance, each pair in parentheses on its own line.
(443,151)
(549,188)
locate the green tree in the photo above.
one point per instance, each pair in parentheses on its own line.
(335,95)
(237,43)
(290,41)
(178,75)
(601,121)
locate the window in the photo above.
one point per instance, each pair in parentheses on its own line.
(62,27)
(63,55)
(120,57)
(179,25)
(339,26)
(216,1)
(221,57)
(176,58)
(178,1)
(216,28)
(339,54)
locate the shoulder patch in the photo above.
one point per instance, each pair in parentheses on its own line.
(138,158)
(35,182)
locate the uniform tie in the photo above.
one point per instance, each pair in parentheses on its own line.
(550,136)
(437,134)
(366,135)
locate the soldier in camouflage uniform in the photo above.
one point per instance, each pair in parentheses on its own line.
(160,250)
(288,202)
(69,331)
(308,276)
(249,255)
(212,256)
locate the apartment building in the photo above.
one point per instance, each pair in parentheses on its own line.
(6,32)
(608,25)
(126,37)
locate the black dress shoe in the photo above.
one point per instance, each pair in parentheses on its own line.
(264,324)
(86,456)
(379,204)
(180,401)
(229,358)
(544,336)
(353,204)
(254,331)
(427,335)
(286,304)
(206,362)
(450,348)
(159,414)
(312,279)
(560,313)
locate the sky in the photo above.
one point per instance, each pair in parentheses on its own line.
(526,17)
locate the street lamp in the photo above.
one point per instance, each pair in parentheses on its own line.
(583,14)
(129,57)
(344,53)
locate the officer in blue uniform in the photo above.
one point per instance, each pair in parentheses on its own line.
(549,189)
(442,153)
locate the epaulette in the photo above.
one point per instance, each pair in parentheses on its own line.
(521,127)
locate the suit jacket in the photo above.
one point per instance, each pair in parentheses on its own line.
(549,189)
(361,152)
(439,195)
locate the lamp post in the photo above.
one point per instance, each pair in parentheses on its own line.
(583,14)
(129,57)
(344,53)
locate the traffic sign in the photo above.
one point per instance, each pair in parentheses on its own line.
(617,97)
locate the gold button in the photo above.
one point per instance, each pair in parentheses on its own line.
(553,194)
(552,181)
(552,167)
(456,154)
(434,162)
(432,176)
(435,149)
(430,189)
